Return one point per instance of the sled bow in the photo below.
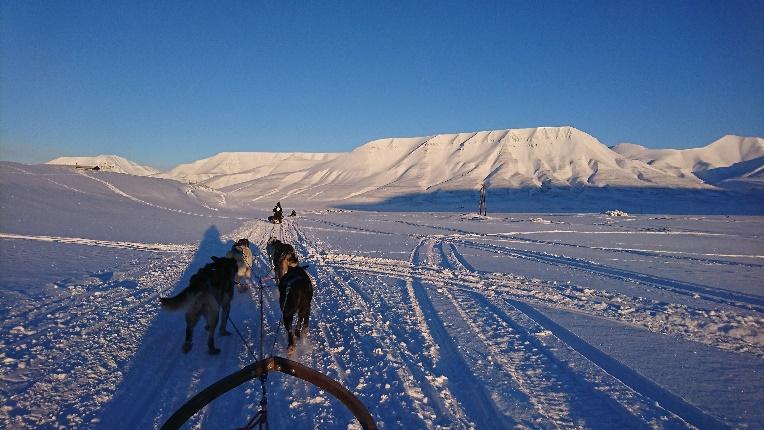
(255, 370)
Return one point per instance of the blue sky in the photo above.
(163, 83)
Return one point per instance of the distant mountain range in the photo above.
(730, 162)
(111, 163)
(533, 158)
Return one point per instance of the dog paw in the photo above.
(186, 347)
(214, 351)
(225, 333)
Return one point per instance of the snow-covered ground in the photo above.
(434, 320)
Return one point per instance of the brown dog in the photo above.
(282, 256)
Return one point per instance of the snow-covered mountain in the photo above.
(532, 158)
(518, 160)
(111, 163)
(228, 168)
(730, 161)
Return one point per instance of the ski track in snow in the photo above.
(430, 342)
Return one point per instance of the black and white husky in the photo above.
(210, 289)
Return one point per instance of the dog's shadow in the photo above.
(159, 377)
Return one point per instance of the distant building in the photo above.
(77, 166)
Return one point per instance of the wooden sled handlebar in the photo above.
(257, 369)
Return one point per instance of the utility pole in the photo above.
(481, 206)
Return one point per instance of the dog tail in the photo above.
(176, 302)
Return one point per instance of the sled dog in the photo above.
(210, 288)
(243, 256)
(282, 256)
(295, 295)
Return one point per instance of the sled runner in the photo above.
(260, 369)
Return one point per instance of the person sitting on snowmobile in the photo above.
(278, 214)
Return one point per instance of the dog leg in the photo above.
(288, 317)
(191, 319)
(291, 347)
(242, 283)
(303, 317)
(226, 311)
(212, 321)
(302, 323)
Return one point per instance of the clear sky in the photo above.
(162, 83)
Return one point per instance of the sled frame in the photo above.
(262, 367)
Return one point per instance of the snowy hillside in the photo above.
(111, 163)
(228, 168)
(534, 169)
(104, 205)
(512, 159)
(729, 161)
(433, 320)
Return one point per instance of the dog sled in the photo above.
(258, 370)
(281, 257)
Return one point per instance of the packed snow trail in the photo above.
(425, 341)
(550, 407)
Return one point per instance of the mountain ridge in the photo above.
(526, 158)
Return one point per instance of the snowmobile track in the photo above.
(711, 294)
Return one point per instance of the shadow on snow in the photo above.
(635, 200)
(160, 378)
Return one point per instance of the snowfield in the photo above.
(432, 319)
